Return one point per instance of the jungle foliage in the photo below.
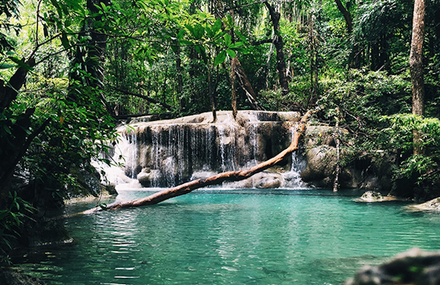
(71, 69)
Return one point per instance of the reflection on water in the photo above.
(235, 237)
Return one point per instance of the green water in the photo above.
(236, 237)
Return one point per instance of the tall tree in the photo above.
(416, 57)
(278, 42)
(347, 16)
(416, 65)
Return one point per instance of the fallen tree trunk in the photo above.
(215, 179)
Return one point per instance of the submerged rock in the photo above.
(414, 267)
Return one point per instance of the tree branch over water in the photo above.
(229, 176)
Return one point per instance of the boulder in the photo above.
(371, 171)
(321, 162)
(266, 180)
(414, 267)
(432, 205)
(373, 196)
(89, 184)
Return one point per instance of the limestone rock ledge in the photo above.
(414, 267)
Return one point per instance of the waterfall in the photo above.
(155, 150)
(292, 178)
(170, 152)
(253, 140)
(132, 138)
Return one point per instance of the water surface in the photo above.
(235, 237)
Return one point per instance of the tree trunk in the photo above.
(337, 141)
(211, 90)
(216, 179)
(14, 139)
(179, 75)
(347, 16)
(279, 47)
(355, 55)
(232, 74)
(246, 85)
(416, 66)
(97, 45)
(233, 94)
(9, 92)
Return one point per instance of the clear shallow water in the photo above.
(235, 237)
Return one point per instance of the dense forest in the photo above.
(71, 69)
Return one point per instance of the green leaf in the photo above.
(201, 50)
(236, 45)
(241, 36)
(103, 206)
(209, 32)
(65, 41)
(7, 65)
(228, 40)
(181, 34)
(21, 63)
(220, 58)
(57, 7)
(190, 29)
(217, 26)
(198, 31)
(231, 53)
(7, 129)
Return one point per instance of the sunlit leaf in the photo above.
(220, 58)
(231, 53)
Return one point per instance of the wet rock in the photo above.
(370, 171)
(432, 205)
(144, 178)
(373, 196)
(320, 135)
(89, 184)
(414, 267)
(267, 180)
(321, 162)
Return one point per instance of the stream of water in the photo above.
(235, 237)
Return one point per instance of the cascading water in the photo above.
(167, 153)
(253, 140)
(292, 178)
(132, 138)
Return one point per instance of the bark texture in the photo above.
(215, 179)
(13, 146)
(346, 14)
(416, 66)
(246, 85)
(279, 47)
(416, 57)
